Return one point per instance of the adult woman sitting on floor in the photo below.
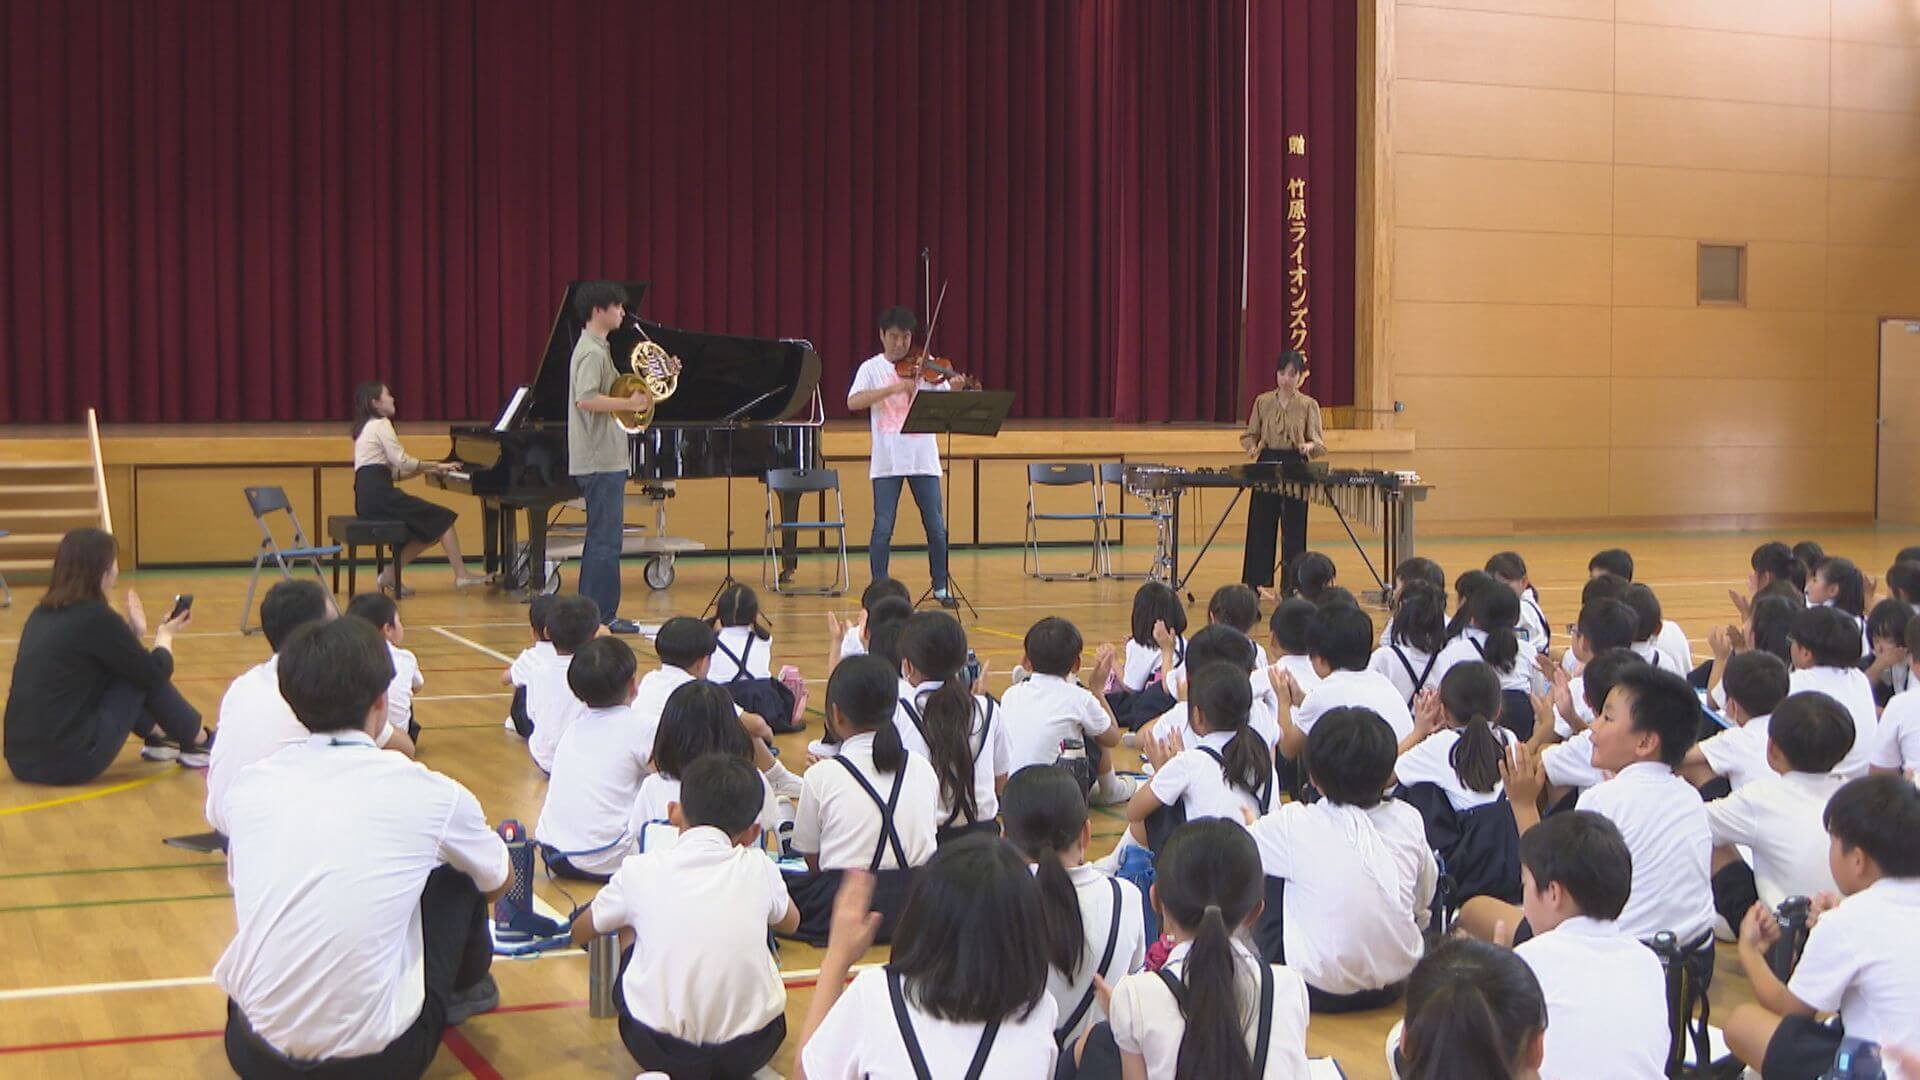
(83, 679)
(379, 461)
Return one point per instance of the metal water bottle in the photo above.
(603, 967)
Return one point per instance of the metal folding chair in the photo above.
(1114, 473)
(802, 482)
(1059, 475)
(265, 501)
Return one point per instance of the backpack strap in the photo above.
(1477, 647)
(1174, 987)
(1263, 1036)
(1086, 1000)
(975, 1069)
(1264, 796)
(889, 835)
(740, 660)
(1419, 680)
(919, 721)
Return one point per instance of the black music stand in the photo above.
(730, 423)
(969, 412)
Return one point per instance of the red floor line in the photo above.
(469, 1055)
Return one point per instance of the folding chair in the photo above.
(263, 501)
(6, 600)
(1057, 475)
(1115, 473)
(802, 482)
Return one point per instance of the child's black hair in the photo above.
(1604, 587)
(1154, 602)
(1289, 623)
(1809, 554)
(1350, 756)
(683, 641)
(1908, 554)
(376, 608)
(601, 672)
(1889, 619)
(1608, 624)
(1335, 596)
(1221, 644)
(934, 643)
(1044, 813)
(1913, 639)
(1827, 633)
(1662, 703)
(1420, 568)
(739, 605)
(537, 611)
(1222, 700)
(332, 673)
(1507, 566)
(698, 719)
(723, 791)
(1615, 561)
(1600, 674)
(865, 691)
(1774, 559)
(1879, 815)
(1772, 621)
(572, 622)
(1470, 583)
(884, 625)
(1342, 636)
(1472, 1010)
(1053, 646)
(1758, 680)
(1208, 881)
(1420, 617)
(971, 941)
(1470, 697)
(1648, 617)
(1813, 731)
(1494, 610)
(290, 605)
(1903, 581)
(1312, 572)
(1584, 852)
(1851, 584)
(1236, 606)
(880, 588)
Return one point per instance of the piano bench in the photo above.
(350, 533)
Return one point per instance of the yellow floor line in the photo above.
(81, 796)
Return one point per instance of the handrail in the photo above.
(99, 472)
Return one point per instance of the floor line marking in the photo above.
(459, 697)
(469, 1055)
(471, 644)
(83, 796)
(87, 870)
(70, 904)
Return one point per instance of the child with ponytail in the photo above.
(1473, 1009)
(1415, 637)
(958, 731)
(1483, 629)
(1228, 772)
(1094, 923)
(1449, 769)
(1215, 1010)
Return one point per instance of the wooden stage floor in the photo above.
(111, 936)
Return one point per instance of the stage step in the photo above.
(40, 500)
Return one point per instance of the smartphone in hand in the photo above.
(181, 605)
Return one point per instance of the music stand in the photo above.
(969, 412)
(730, 423)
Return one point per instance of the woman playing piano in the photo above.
(1284, 427)
(378, 461)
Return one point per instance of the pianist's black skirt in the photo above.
(374, 496)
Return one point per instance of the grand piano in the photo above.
(743, 406)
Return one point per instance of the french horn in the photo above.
(651, 370)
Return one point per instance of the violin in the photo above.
(936, 370)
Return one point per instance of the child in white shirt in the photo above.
(1051, 716)
(700, 987)
(1838, 584)
(597, 768)
(1449, 768)
(685, 647)
(1415, 569)
(380, 610)
(1416, 634)
(1214, 645)
(1569, 764)
(1340, 642)
(961, 732)
(1890, 670)
(551, 704)
(1755, 684)
(1826, 657)
(1227, 772)
(1484, 629)
(1509, 569)
(538, 654)
(1779, 818)
(742, 647)
(1898, 748)
(1859, 957)
(1156, 645)
(1473, 1009)
(1606, 993)
(849, 637)
(1094, 923)
(699, 720)
(1655, 644)
(1287, 634)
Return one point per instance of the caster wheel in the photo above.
(659, 572)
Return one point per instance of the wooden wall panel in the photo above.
(1796, 18)
(1717, 342)
(1524, 268)
(1871, 210)
(1510, 50)
(1570, 9)
(1847, 409)
(1719, 134)
(1739, 480)
(1879, 77)
(1501, 121)
(1504, 413)
(220, 528)
(1674, 412)
(1853, 345)
(1653, 271)
(1499, 339)
(1889, 22)
(1875, 144)
(1446, 192)
(1697, 203)
(1483, 485)
(1672, 62)
(1882, 280)
(1786, 277)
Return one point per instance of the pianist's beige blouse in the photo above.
(378, 445)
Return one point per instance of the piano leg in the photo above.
(510, 577)
(490, 531)
(537, 550)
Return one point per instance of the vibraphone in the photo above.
(1374, 499)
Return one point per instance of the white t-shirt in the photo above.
(659, 789)
(1533, 631)
(1177, 678)
(1263, 718)
(1740, 754)
(1361, 689)
(1301, 667)
(1780, 819)
(330, 844)
(1570, 764)
(1674, 644)
(1045, 711)
(741, 641)
(840, 823)
(850, 643)
(1467, 647)
(596, 781)
(255, 722)
(1898, 738)
(699, 910)
(988, 738)
(1096, 892)
(1606, 1001)
(1359, 886)
(550, 705)
(650, 700)
(895, 454)
(1859, 962)
(530, 659)
(1848, 686)
(1193, 779)
(1665, 826)
(1147, 1020)
(406, 679)
(1430, 761)
(859, 1038)
(1393, 665)
(1141, 662)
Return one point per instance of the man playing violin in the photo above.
(885, 385)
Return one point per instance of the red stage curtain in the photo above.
(236, 209)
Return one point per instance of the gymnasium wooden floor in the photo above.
(110, 936)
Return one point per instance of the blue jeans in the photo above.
(886, 504)
(606, 524)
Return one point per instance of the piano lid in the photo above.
(722, 373)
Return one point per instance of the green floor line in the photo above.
(111, 870)
(115, 903)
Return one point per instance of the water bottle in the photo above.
(603, 967)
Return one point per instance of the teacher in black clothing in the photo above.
(83, 679)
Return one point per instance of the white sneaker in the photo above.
(507, 723)
(1112, 788)
(1020, 675)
